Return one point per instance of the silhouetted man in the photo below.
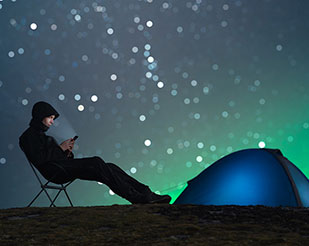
(43, 151)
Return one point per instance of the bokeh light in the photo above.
(113, 77)
(147, 142)
(80, 107)
(149, 23)
(33, 26)
(94, 98)
(262, 144)
(142, 117)
(133, 170)
(2, 160)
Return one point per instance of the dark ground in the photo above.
(155, 225)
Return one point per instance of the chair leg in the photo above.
(68, 197)
(35, 198)
(65, 191)
(44, 188)
(53, 204)
(51, 201)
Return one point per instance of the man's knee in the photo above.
(98, 159)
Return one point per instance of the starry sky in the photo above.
(162, 88)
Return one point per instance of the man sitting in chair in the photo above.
(42, 151)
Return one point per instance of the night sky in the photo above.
(162, 88)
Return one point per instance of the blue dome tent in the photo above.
(249, 177)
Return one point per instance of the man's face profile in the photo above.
(48, 121)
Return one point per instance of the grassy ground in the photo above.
(155, 225)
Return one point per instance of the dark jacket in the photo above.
(38, 147)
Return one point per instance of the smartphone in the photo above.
(75, 138)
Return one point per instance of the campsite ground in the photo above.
(155, 225)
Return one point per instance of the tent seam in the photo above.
(286, 169)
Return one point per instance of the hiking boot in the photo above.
(155, 198)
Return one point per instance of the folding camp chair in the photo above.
(54, 186)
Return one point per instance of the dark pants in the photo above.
(96, 169)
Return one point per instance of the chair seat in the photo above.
(53, 187)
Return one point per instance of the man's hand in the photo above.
(67, 145)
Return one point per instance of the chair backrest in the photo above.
(56, 173)
(35, 172)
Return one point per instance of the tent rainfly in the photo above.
(249, 177)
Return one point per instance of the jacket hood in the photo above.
(42, 109)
